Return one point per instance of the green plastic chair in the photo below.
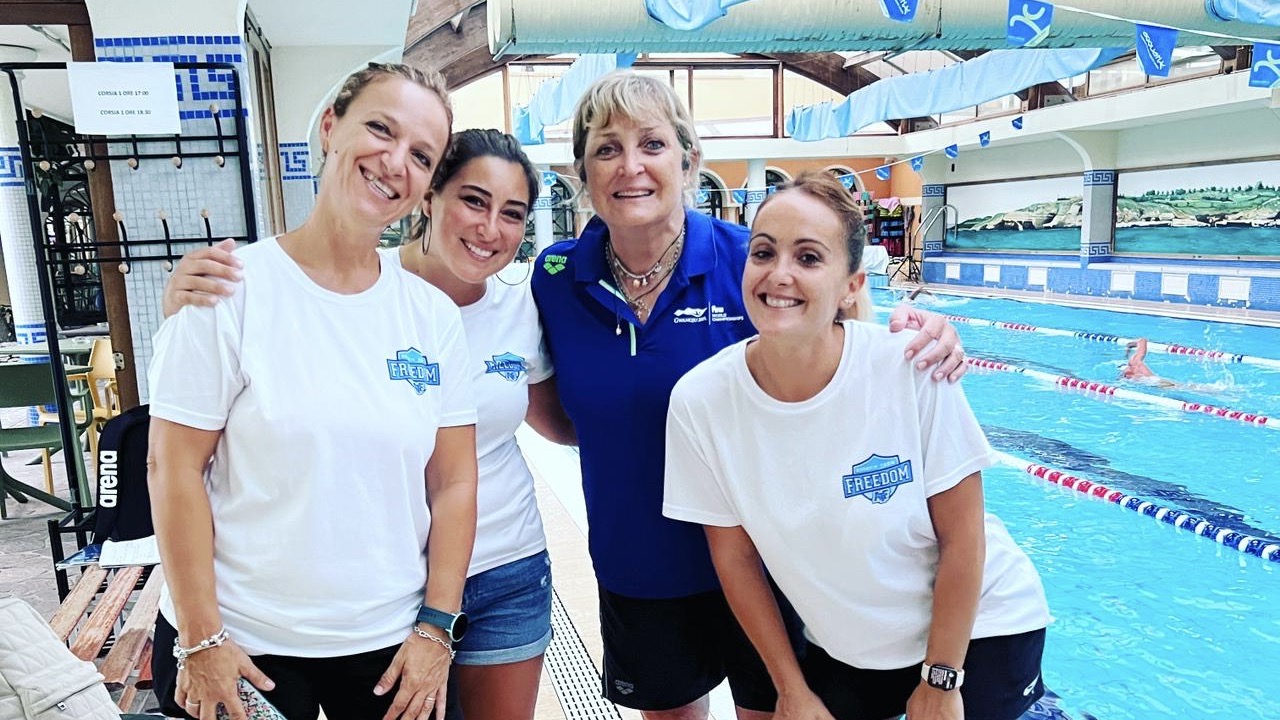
(28, 385)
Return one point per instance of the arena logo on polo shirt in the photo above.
(508, 365)
(554, 263)
(877, 478)
(414, 368)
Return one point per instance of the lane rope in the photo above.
(1105, 390)
(1224, 536)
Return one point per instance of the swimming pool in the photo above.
(1152, 621)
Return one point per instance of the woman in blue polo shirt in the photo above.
(649, 290)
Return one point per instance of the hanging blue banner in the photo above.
(1029, 22)
(952, 151)
(739, 196)
(903, 11)
(1266, 66)
(703, 196)
(984, 138)
(1155, 46)
(846, 181)
(917, 163)
(1257, 12)
(1017, 123)
(688, 14)
(882, 172)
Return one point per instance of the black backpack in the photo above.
(124, 503)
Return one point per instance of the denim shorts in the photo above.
(510, 612)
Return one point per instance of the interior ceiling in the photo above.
(42, 90)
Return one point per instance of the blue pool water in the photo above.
(1152, 621)
(1263, 241)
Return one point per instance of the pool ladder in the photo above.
(910, 268)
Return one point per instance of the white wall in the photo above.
(150, 18)
(305, 76)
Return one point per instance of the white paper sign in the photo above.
(112, 98)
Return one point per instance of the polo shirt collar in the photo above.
(698, 257)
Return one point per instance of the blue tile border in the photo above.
(934, 190)
(1099, 177)
(164, 40)
(11, 174)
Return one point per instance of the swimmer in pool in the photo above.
(1136, 368)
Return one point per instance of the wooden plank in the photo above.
(126, 698)
(122, 660)
(144, 681)
(73, 608)
(43, 12)
(94, 631)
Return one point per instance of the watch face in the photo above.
(942, 677)
(459, 627)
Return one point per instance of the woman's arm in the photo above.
(547, 416)
(958, 523)
(747, 590)
(421, 665)
(946, 353)
(176, 460)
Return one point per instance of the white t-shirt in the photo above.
(507, 355)
(328, 406)
(833, 492)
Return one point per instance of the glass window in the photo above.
(733, 102)
(1117, 76)
(999, 106)
(1190, 61)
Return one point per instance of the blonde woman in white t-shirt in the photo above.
(816, 451)
(312, 450)
(473, 224)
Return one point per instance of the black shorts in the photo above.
(1001, 681)
(664, 654)
(342, 686)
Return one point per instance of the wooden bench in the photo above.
(97, 610)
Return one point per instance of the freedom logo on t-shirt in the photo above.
(877, 478)
(412, 367)
(508, 365)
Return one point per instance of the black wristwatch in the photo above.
(941, 676)
(453, 624)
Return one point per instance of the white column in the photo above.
(543, 235)
(755, 188)
(15, 228)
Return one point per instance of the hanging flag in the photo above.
(1029, 22)
(952, 151)
(903, 11)
(688, 14)
(703, 196)
(917, 163)
(984, 138)
(739, 196)
(1155, 45)
(1017, 123)
(882, 172)
(846, 181)
(1266, 66)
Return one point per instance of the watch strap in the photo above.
(942, 677)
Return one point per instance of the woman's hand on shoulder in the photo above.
(801, 704)
(203, 277)
(937, 344)
(210, 677)
(421, 666)
(929, 703)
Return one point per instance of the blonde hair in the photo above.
(634, 96)
(357, 81)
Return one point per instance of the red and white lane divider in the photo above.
(1224, 536)
(1200, 353)
(1104, 389)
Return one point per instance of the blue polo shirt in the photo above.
(615, 378)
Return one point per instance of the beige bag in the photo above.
(39, 677)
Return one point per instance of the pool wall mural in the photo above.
(1215, 210)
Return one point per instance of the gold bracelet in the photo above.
(443, 643)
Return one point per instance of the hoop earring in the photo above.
(527, 274)
(424, 230)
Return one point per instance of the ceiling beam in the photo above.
(432, 14)
(43, 12)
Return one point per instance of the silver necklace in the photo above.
(642, 279)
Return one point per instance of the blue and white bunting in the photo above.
(847, 181)
(917, 163)
(1016, 123)
(1155, 44)
(952, 151)
(903, 11)
(1265, 72)
(739, 196)
(1029, 22)
(984, 138)
(883, 172)
(703, 195)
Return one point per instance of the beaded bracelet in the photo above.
(181, 654)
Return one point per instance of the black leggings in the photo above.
(342, 686)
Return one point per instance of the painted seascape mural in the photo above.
(1039, 215)
(1229, 209)
(1225, 210)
